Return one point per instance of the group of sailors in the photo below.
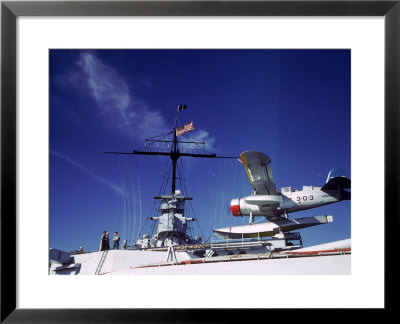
(105, 243)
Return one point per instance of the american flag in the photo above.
(184, 129)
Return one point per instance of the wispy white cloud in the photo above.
(204, 136)
(97, 178)
(107, 85)
(117, 107)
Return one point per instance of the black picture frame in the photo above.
(10, 10)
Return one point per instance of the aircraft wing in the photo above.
(271, 229)
(256, 165)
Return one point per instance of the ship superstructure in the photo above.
(172, 223)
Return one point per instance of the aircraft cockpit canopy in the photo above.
(337, 173)
(337, 178)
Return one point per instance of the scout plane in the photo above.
(267, 201)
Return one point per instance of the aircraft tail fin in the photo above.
(345, 195)
(337, 179)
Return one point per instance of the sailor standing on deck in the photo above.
(107, 246)
(116, 241)
(104, 243)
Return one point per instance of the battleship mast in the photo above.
(172, 223)
(175, 153)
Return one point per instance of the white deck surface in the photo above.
(121, 259)
(130, 262)
(335, 264)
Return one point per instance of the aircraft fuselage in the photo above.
(308, 198)
(285, 202)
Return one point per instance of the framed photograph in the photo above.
(310, 84)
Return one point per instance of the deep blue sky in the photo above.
(293, 105)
